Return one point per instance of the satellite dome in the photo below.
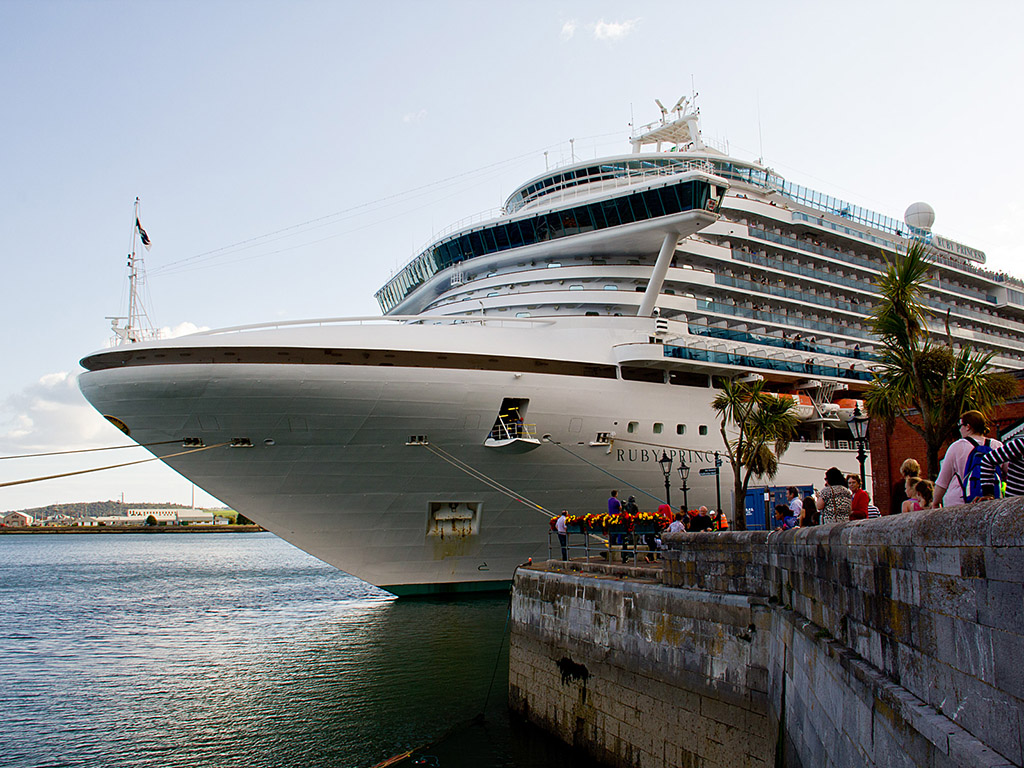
(920, 216)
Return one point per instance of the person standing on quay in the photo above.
(1011, 456)
(561, 530)
(615, 508)
(953, 483)
(834, 500)
(909, 470)
(796, 506)
(810, 515)
(860, 501)
(614, 505)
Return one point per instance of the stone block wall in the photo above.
(890, 642)
(934, 602)
(639, 675)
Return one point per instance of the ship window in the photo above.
(680, 429)
(658, 427)
(702, 429)
(650, 375)
(501, 237)
(652, 199)
(591, 314)
(611, 213)
(522, 314)
(632, 427)
(515, 236)
(575, 287)
(554, 265)
(611, 287)
(489, 242)
(687, 379)
(625, 211)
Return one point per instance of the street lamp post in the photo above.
(666, 469)
(684, 473)
(859, 428)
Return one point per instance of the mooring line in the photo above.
(459, 464)
(88, 450)
(618, 479)
(112, 466)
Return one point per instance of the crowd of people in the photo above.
(975, 468)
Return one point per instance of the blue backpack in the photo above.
(971, 481)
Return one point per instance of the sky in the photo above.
(289, 157)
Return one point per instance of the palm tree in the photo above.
(915, 372)
(763, 426)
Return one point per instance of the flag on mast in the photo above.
(142, 234)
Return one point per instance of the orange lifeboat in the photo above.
(847, 406)
(804, 407)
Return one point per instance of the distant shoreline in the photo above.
(30, 529)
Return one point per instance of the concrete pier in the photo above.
(890, 642)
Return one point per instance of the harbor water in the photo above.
(226, 650)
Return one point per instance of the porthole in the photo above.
(658, 427)
(680, 429)
(702, 429)
(632, 427)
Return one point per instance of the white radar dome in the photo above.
(920, 216)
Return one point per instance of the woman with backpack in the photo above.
(959, 479)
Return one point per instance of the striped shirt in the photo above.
(1012, 454)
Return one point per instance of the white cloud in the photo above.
(181, 329)
(52, 415)
(569, 29)
(414, 117)
(613, 30)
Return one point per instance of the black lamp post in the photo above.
(684, 473)
(666, 469)
(859, 428)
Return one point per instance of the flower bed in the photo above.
(643, 522)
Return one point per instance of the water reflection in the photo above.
(226, 650)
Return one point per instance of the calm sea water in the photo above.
(227, 650)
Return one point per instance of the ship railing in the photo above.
(830, 329)
(620, 174)
(798, 345)
(381, 320)
(805, 296)
(510, 429)
(743, 360)
(859, 261)
(627, 547)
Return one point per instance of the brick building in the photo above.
(890, 449)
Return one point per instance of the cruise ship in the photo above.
(532, 361)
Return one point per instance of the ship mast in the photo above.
(139, 326)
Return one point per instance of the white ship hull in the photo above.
(335, 470)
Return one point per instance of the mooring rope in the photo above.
(88, 450)
(459, 464)
(615, 477)
(112, 466)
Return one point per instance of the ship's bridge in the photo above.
(634, 219)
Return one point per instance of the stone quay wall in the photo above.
(889, 642)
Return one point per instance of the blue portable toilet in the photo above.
(761, 517)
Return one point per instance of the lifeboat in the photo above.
(804, 407)
(847, 407)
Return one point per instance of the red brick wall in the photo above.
(890, 449)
